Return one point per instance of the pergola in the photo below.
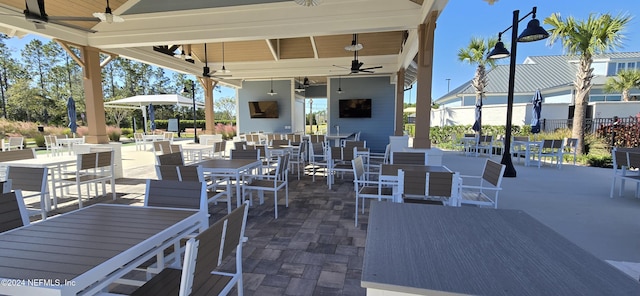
(261, 39)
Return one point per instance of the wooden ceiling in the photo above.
(262, 38)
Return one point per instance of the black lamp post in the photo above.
(193, 98)
(533, 32)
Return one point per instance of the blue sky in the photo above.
(462, 19)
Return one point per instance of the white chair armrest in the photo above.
(480, 187)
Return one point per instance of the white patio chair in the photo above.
(53, 148)
(297, 158)
(419, 158)
(168, 136)
(318, 159)
(552, 149)
(366, 187)
(204, 255)
(13, 143)
(140, 141)
(175, 158)
(31, 182)
(13, 213)
(519, 150)
(483, 192)
(218, 187)
(272, 181)
(92, 168)
(570, 148)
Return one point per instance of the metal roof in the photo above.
(537, 72)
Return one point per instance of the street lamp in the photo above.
(193, 98)
(533, 32)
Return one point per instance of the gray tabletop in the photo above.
(421, 248)
(92, 241)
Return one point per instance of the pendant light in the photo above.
(339, 85)
(223, 70)
(271, 92)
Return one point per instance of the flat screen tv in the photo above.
(263, 109)
(355, 108)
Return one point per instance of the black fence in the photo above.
(622, 132)
(591, 124)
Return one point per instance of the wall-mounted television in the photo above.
(263, 109)
(355, 108)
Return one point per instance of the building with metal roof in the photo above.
(553, 75)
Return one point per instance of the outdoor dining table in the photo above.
(231, 167)
(468, 145)
(195, 151)
(528, 146)
(336, 138)
(82, 252)
(153, 138)
(434, 250)
(55, 165)
(69, 142)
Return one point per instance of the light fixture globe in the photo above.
(533, 32)
(307, 2)
(498, 52)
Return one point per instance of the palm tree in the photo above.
(476, 54)
(624, 82)
(585, 39)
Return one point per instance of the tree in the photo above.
(225, 108)
(624, 82)
(476, 54)
(585, 38)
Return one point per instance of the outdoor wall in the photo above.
(611, 109)
(257, 91)
(522, 113)
(375, 130)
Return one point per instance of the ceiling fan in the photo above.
(356, 65)
(299, 86)
(35, 12)
(107, 16)
(206, 71)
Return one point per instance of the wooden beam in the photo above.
(65, 46)
(313, 45)
(273, 47)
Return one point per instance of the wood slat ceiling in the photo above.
(79, 8)
(373, 44)
(296, 48)
(385, 43)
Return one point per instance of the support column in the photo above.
(96, 120)
(399, 124)
(209, 115)
(424, 81)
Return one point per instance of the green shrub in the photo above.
(114, 133)
(39, 139)
(127, 132)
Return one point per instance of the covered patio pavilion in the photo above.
(263, 39)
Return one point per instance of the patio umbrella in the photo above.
(537, 108)
(152, 117)
(477, 125)
(71, 113)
